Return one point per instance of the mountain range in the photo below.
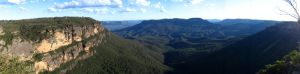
(184, 38)
(249, 55)
(81, 45)
(116, 25)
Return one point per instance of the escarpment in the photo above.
(71, 45)
(50, 42)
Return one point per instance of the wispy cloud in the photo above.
(160, 7)
(128, 10)
(52, 9)
(96, 5)
(22, 8)
(89, 3)
(143, 10)
(16, 1)
(142, 2)
(12, 2)
(96, 10)
(195, 2)
(37, 1)
(189, 2)
(7, 3)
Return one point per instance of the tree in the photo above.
(292, 4)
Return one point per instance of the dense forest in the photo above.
(189, 39)
(249, 55)
(119, 56)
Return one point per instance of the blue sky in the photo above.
(107, 10)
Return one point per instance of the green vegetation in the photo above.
(189, 39)
(14, 66)
(34, 32)
(37, 29)
(290, 64)
(113, 56)
(246, 56)
(7, 37)
(38, 56)
(117, 56)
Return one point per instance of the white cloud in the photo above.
(143, 2)
(195, 2)
(128, 10)
(96, 2)
(88, 6)
(96, 10)
(210, 5)
(75, 12)
(88, 10)
(118, 2)
(22, 8)
(160, 7)
(52, 9)
(177, 0)
(71, 4)
(16, 1)
(110, 6)
(143, 10)
(90, 3)
(37, 1)
(189, 2)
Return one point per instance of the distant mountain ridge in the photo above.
(182, 35)
(249, 55)
(247, 26)
(116, 25)
(173, 30)
(187, 38)
(242, 21)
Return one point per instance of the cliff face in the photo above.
(71, 45)
(50, 45)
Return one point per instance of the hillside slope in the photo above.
(176, 33)
(249, 55)
(184, 38)
(245, 26)
(71, 45)
(289, 64)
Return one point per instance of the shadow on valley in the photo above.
(247, 56)
(232, 46)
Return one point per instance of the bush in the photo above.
(8, 38)
(284, 66)
(14, 66)
(38, 56)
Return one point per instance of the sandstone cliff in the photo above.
(48, 43)
(71, 45)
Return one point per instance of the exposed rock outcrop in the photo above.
(59, 44)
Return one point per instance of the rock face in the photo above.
(59, 41)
